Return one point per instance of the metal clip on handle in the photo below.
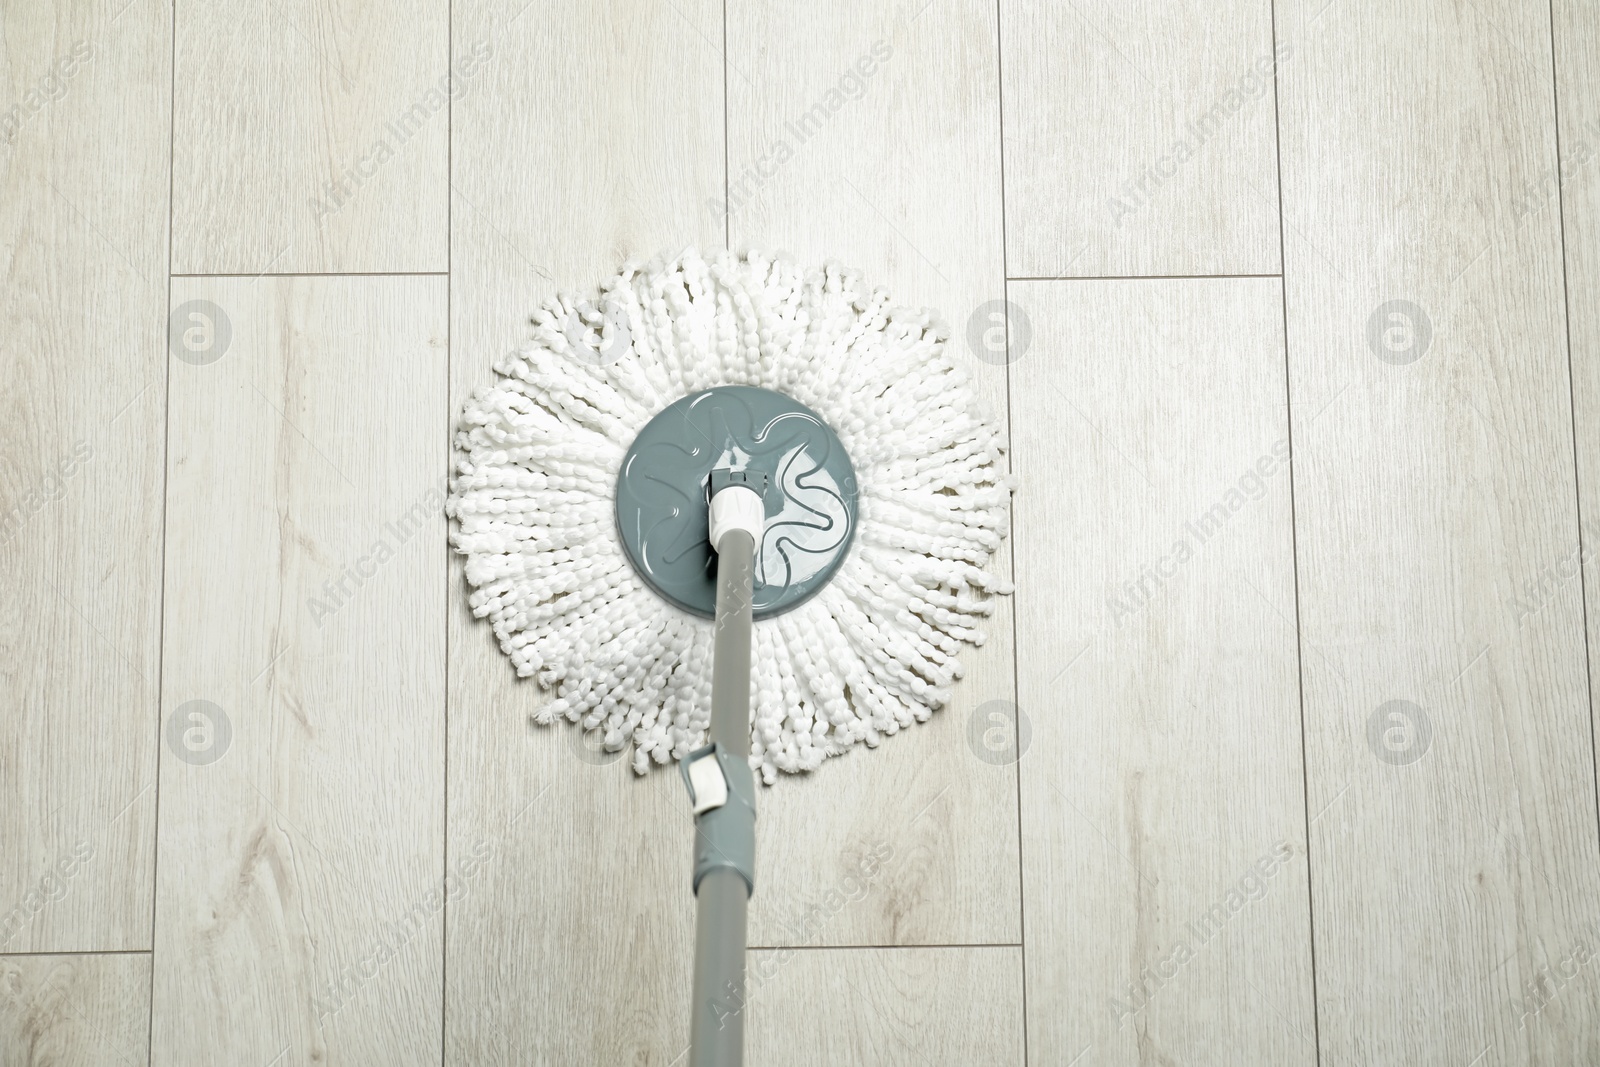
(721, 786)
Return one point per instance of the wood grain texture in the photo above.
(1453, 840)
(313, 135)
(75, 1011)
(921, 1007)
(1162, 815)
(1139, 138)
(301, 870)
(873, 138)
(594, 137)
(82, 333)
(1577, 42)
(387, 863)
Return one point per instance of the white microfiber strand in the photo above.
(534, 502)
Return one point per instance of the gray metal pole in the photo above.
(716, 1031)
(730, 666)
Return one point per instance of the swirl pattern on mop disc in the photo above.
(664, 494)
(538, 454)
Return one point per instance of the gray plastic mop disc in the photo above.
(663, 494)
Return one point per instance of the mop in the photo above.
(736, 515)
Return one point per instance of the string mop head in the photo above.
(534, 499)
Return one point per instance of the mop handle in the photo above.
(722, 787)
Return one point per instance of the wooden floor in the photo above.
(1282, 753)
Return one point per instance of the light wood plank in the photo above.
(921, 1007)
(1577, 42)
(83, 234)
(313, 135)
(299, 908)
(1434, 489)
(592, 139)
(75, 1011)
(1139, 138)
(1162, 813)
(828, 161)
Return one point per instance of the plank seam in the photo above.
(1572, 413)
(1294, 548)
(1016, 677)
